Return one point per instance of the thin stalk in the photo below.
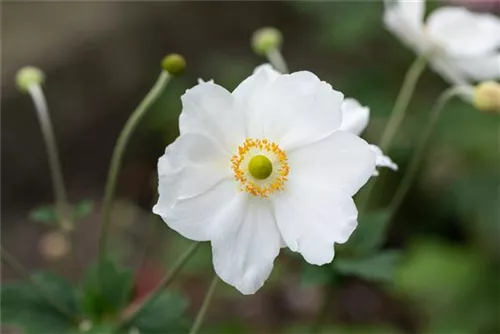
(416, 159)
(116, 160)
(165, 282)
(277, 60)
(61, 199)
(204, 306)
(62, 205)
(397, 115)
(22, 272)
(405, 94)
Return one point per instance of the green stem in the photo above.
(397, 115)
(277, 60)
(405, 94)
(411, 172)
(116, 160)
(62, 205)
(165, 282)
(22, 272)
(325, 307)
(204, 306)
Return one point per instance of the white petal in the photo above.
(447, 68)
(245, 247)
(461, 32)
(209, 109)
(342, 161)
(382, 160)
(355, 117)
(197, 218)
(191, 166)
(405, 20)
(481, 68)
(312, 219)
(295, 110)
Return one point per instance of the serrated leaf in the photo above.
(163, 316)
(44, 214)
(104, 299)
(378, 267)
(315, 275)
(370, 233)
(82, 209)
(25, 308)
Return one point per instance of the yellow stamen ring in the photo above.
(261, 167)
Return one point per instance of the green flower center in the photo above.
(260, 167)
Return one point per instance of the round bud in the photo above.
(260, 167)
(174, 64)
(266, 39)
(487, 96)
(27, 77)
(54, 246)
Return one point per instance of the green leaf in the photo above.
(104, 299)
(44, 214)
(82, 209)
(315, 275)
(378, 267)
(24, 307)
(370, 233)
(163, 316)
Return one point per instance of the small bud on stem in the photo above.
(27, 77)
(173, 63)
(265, 40)
(487, 96)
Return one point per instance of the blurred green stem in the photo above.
(22, 272)
(411, 172)
(165, 282)
(62, 205)
(204, 306)
(276, 59)
(397, 115)
(325, 307)
(116, 160)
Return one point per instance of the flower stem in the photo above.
(405, 94)
(204, 306)
(165, 282)
(116, 160)
(411, 172)
(397, 115)
(62, 205)
(22, 272)
(276, 59)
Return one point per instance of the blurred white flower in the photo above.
(462, 46)
(355, 118)
(261, 168)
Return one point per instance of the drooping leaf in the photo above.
(82, 209)
(44, 214)
(24, 307)
(370, 233)
(106, 290)
(163, 316)
(378, 267)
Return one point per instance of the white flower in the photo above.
(355, 119)
(462, 46)
(261, 168)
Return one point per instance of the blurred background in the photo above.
(101, 58)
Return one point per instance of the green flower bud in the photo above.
(27, 77)
(174, 64)
(487, 96)
(266, 39)
(260, 167)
